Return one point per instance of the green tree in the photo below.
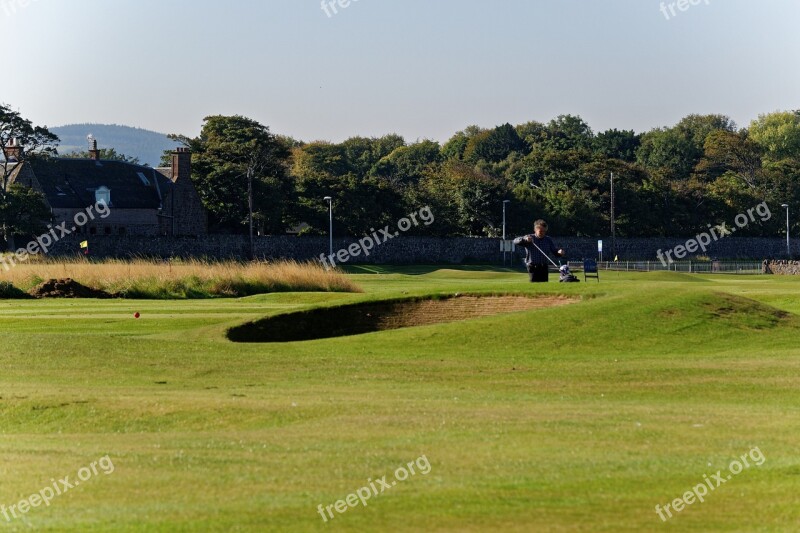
(699, 127)
(477, 196)
(362, 202)
(231, 155)
(362, 153)
(27, 208)
(616, 144)
(778, 134)
(108, 154)
(455, 147)
(670, 151)
(732, 153)
(568, 132)
(406, 164)
(676, 151)
(493, 146)
(319, 159)
(532, 133)
(20, 141)
(360, 205)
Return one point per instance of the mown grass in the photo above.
(169, 280)
(577, 418)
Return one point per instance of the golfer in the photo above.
(536, 260)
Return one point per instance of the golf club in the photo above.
(544, 254)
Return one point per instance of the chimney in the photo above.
(181, 164)
(94, 153)
(13, 151)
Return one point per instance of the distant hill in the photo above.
(134, 142)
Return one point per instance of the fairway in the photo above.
(581, 417)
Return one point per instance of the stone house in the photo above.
(142, 200)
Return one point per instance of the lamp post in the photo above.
(504, 230)
(788, 242)
(330, 225)
(250, 211)
(613, 220)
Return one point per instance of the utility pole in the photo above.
(613, 224)
(504, 230)
(250, 211)
(330, 224)
(788, 241)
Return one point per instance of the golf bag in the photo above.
(565, 276)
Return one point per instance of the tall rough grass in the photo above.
(142, 278)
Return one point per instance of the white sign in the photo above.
(600, 246)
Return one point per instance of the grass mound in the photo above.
(721, 312)
(672, 276)
(742, 313)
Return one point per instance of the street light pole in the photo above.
(613, 221)
(330, 225)
(504, 230)
(788, 242)
(250, 211)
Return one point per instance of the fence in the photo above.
(692, 267)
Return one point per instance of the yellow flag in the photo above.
(85, 244)
(616, 258)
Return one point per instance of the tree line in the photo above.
(670, 181)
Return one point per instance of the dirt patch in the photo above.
(65, 288)
(385, 315)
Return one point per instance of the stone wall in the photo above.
(143, 222)
(782, 268)
(400, 250)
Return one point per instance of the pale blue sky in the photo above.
(421, 68)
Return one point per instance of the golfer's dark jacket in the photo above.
(534, 256)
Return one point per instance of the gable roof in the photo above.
(71, 183)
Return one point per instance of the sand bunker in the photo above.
(385, 315)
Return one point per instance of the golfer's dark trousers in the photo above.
(538, 273)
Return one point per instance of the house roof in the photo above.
(71, 183)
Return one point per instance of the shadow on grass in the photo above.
(10, 292)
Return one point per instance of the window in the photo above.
(121, 231)
(143, 178)
(103, 195)
(93, 231)
(107, 230)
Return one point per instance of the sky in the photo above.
(421, 68)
